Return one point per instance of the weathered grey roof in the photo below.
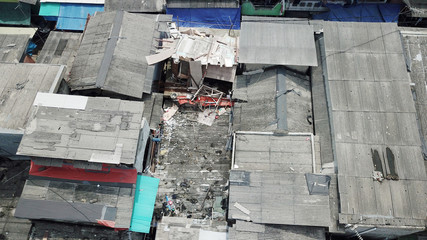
(134, 5)
(181, 228)
(277, 43)
(415, 44)
(111, 55)
(93, 129)
(251, 231)
(13, 46)
(19, 84)
(267, 184)
(275, 99)
(373, 122)
(60, 48)
(76, 202)
(202, 4)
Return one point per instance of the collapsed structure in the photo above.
(258, 128)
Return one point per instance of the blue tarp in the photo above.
(363, 12)
(143, 207)
(73, 16)
(222, 18)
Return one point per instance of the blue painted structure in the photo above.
(364, 12)
(143, 207)
(222, 18)
(73, 16)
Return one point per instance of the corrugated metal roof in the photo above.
(73, 16)
(135, 5)
(267, 184)
(13, 46)
(19, 84)
(277, 43)
(202, 4)
(275, 99)
(116, 64)
(374, 126)
(60, 48)
(39, 200)
(83, 128)
(249, 230)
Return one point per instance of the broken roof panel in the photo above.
(99, 130)
(134, 5)
(116, 64)
(277, 43)
(13, 47)
(374, 126)
(267, 184)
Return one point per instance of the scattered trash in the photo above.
(169, 204)
(241, 208)
(221, 111)
(378, 176)
(207, 117)
(163, 152)
(170, 112)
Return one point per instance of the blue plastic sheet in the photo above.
(222, 18)
(364, 12)
(73, 16)
(30, 48)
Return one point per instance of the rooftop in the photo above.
(274, 98)
(60, 48)
(19, 85)
(268, 183)
(109, 58)
(261, 43)
(374, 126)
(135, 5)
(93, 129)
(13, 46)
(76, 202)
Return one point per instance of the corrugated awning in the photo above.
(143, 208)
(73, 16)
